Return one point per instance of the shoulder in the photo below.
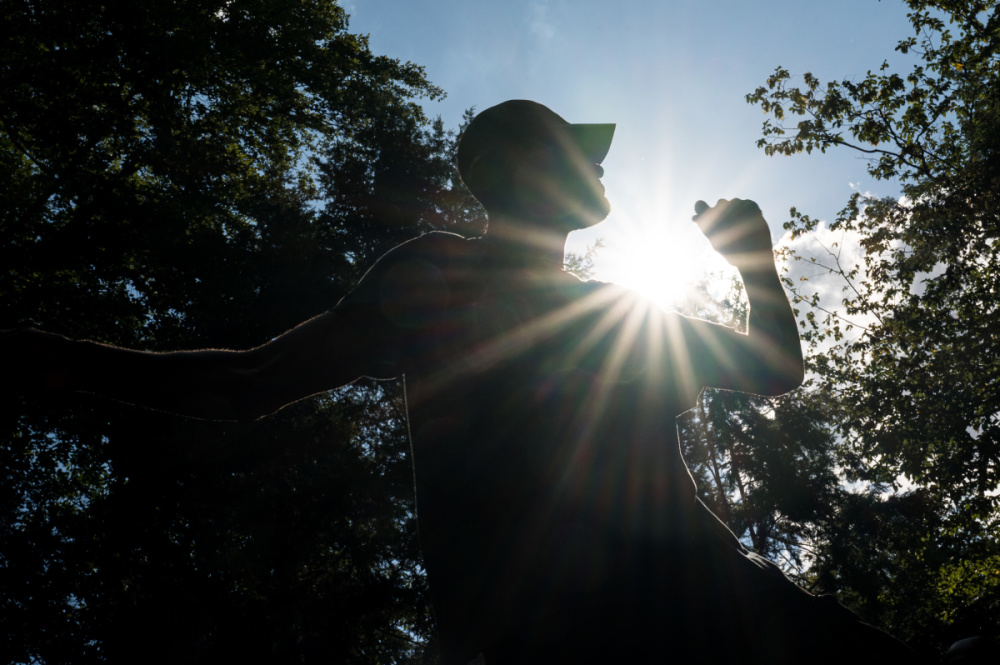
(435, 252)
(418, 273)
(432, 246)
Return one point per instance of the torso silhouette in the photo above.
(542, 413)
(557, 518)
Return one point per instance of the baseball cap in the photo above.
(518, 121)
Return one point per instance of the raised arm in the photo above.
(767, 360)
(330, 350)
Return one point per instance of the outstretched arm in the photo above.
(328, 351)
(357, 338)
(767, 360)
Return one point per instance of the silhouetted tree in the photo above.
(764, 465)
(190, 175)
(907, 360)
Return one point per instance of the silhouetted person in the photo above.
(558, 520)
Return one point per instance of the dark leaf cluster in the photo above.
(198, 174)
(908, 354)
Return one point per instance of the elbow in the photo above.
(778, 375)
(235, 399)
(777, 368)
(779, 383)
(264, 383)
(783, 388)
(247, 399)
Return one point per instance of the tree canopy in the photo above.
(211, 173)
(905, 359)
(192, 175)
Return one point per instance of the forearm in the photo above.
(328, 351)
(771, 327)
(216, 385)
(768, 359)
(206, 384)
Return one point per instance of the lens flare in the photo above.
(660, 262)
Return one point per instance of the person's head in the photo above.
(521, 160)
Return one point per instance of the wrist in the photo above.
(755, 262)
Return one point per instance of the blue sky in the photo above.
(673, 76)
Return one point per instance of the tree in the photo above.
(911, 351)
(197, 174)
(764, 465)
(582, 265)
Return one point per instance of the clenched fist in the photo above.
(736, 229)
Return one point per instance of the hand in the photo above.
(737, 231)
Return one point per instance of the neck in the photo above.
(528, 243)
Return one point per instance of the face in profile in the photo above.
(523, 161)
(557, 184)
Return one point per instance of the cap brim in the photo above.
(593, 139)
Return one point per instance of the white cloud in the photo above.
(825, 258)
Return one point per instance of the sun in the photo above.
(649, 242)
(662, 262)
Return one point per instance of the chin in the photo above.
(593, 215)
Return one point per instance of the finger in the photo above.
(700, 207)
